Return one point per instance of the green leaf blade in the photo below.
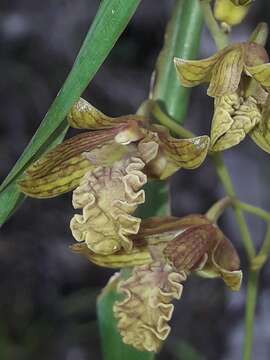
(110, 21)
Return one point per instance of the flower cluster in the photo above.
(107, 168)
(238, 78)
(165, 251)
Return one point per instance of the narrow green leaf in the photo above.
(110, 21)
(112, 345)
(11, 198)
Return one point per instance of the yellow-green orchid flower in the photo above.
(223, 70)
(239, 90)
(166, 250)
(107, 168)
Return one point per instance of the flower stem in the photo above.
(265, 215)
(220, 38)
(169, 123)
(252, 289)
(260, 259)
(217, 209)
(226, 181)
(265, 249)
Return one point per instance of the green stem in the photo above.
(252, 289)
(169, 123)
(218, 208)
(265, 249)
(226, 181)
(182, 39)
(221, 40)
(260, 259)
(252, 210)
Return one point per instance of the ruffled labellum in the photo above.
(233, 119)
(108, 198)
(144, 312)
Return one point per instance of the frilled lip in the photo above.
(233, 119)
(144, 312)
(188, 244)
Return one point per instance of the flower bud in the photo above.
(230, 12)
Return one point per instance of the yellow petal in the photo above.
(121, 259)
(195, 72)
(108, 197)
(144, 313)
(223, 261)
(233, 279)
(85, 116)
(226, 72)
(222, 120)
(226, 262)
(177, 153)
(261, 73)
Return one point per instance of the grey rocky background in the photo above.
(47, 294)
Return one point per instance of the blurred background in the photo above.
(48, 294)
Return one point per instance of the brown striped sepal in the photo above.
(83, 115)
(205, 250)
(175, 154)
(223, 70)
(136, 257)
(61, 169)
(157, 230)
